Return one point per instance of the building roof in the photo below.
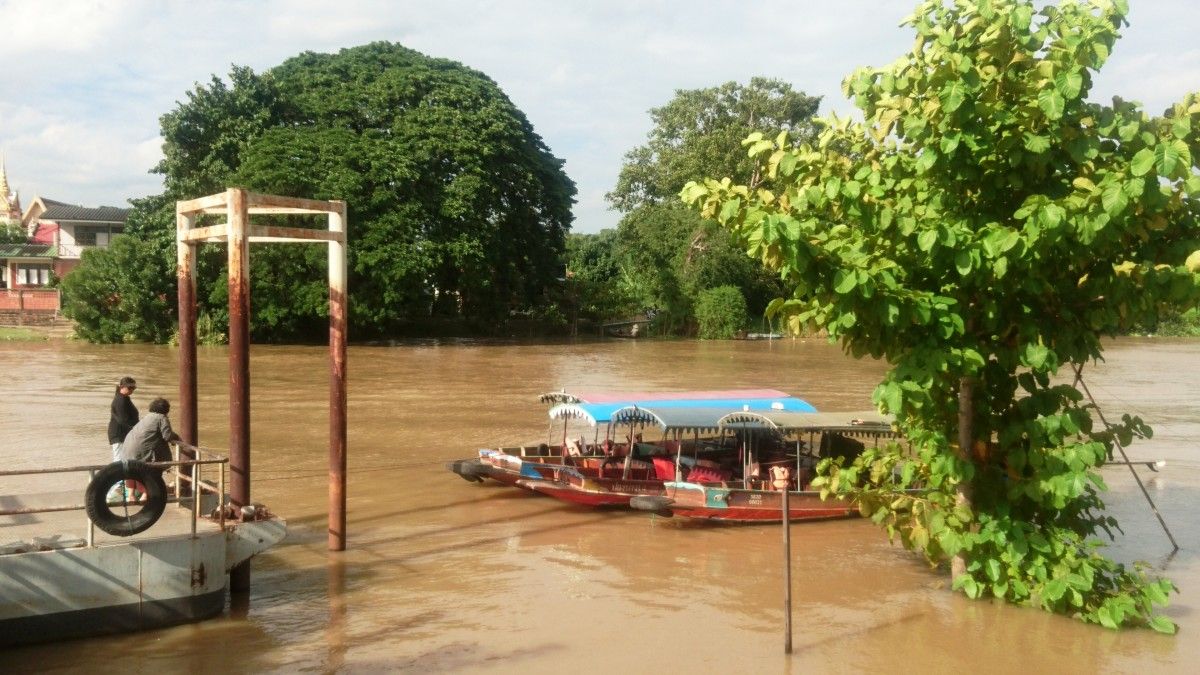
(58, 211)
(26, 251)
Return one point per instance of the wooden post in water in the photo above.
(239, 365)
(186, 280)
(337, 381)
(787, 571)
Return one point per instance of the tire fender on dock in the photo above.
(121, 522)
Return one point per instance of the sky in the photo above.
(83, 82)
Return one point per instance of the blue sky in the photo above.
(84, 81)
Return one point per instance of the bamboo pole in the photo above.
(1117, 442)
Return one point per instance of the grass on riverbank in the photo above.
(8, 334)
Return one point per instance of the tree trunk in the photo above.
(966, 435)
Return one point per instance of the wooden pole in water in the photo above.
(787, 572)
(239, 365)
(337, 381)
(185, 272)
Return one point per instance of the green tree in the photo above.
(670, 254)
(594, 277)
(699, 133)
(456, 206)
(720, 312)
(120, 293)
(984, 226)
(11, 232)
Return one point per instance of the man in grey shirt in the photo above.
(148, 440)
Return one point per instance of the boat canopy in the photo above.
(600, 413)
(868, 421)
(636, 397)
(556, 397)
(672, 419)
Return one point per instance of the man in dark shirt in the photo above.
(124, 415)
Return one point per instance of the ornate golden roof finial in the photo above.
(4, 184)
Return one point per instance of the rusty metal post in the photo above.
(239, 364)
(185, 272)
(787, 568)
(337, 381)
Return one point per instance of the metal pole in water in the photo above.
(186, 276)
(239, 365)
(337, 381)
(787, 572)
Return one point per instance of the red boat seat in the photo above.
(664, 469)
(706, 474)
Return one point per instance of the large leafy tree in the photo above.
(984, 226)
(672, 253)
(456, 206)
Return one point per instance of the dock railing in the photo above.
(189, 471)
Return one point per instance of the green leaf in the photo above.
(1035, 355)
(926, 160)
(953, 96)
(1142, 162)
(927, 239)
(1036, 144)
(844, 281)
(1052, 103)
(832, 187)
(1162, 624)
(729, 209)
(1054, 589)
(1022, 18)
(1167, 157)
(1069, 84)
(950, 142)
(1114, 199)
(962, 262)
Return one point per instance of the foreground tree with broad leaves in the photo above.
(982, 228)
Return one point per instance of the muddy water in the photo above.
(446, 576)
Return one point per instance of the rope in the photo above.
(1116, 441)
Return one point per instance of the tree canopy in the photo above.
(671, 254)
(983, 226)
(456, 206)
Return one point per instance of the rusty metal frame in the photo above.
(237, 232)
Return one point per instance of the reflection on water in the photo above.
(446, 576)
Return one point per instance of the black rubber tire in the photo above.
(470, 470)
(652, 503)
(120, 523)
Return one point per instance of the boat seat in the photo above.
(705, 474)
(664, 469)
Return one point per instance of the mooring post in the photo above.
(787, 570)
(186, 280)
(337, 381)
(239, 366)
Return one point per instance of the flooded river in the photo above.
(446, 576)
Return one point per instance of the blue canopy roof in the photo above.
(600, 413)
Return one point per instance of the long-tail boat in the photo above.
(739, 477)
(509, 465)
(758, 496)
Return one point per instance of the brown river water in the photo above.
(446, 576)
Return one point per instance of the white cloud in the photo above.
(86, 80)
